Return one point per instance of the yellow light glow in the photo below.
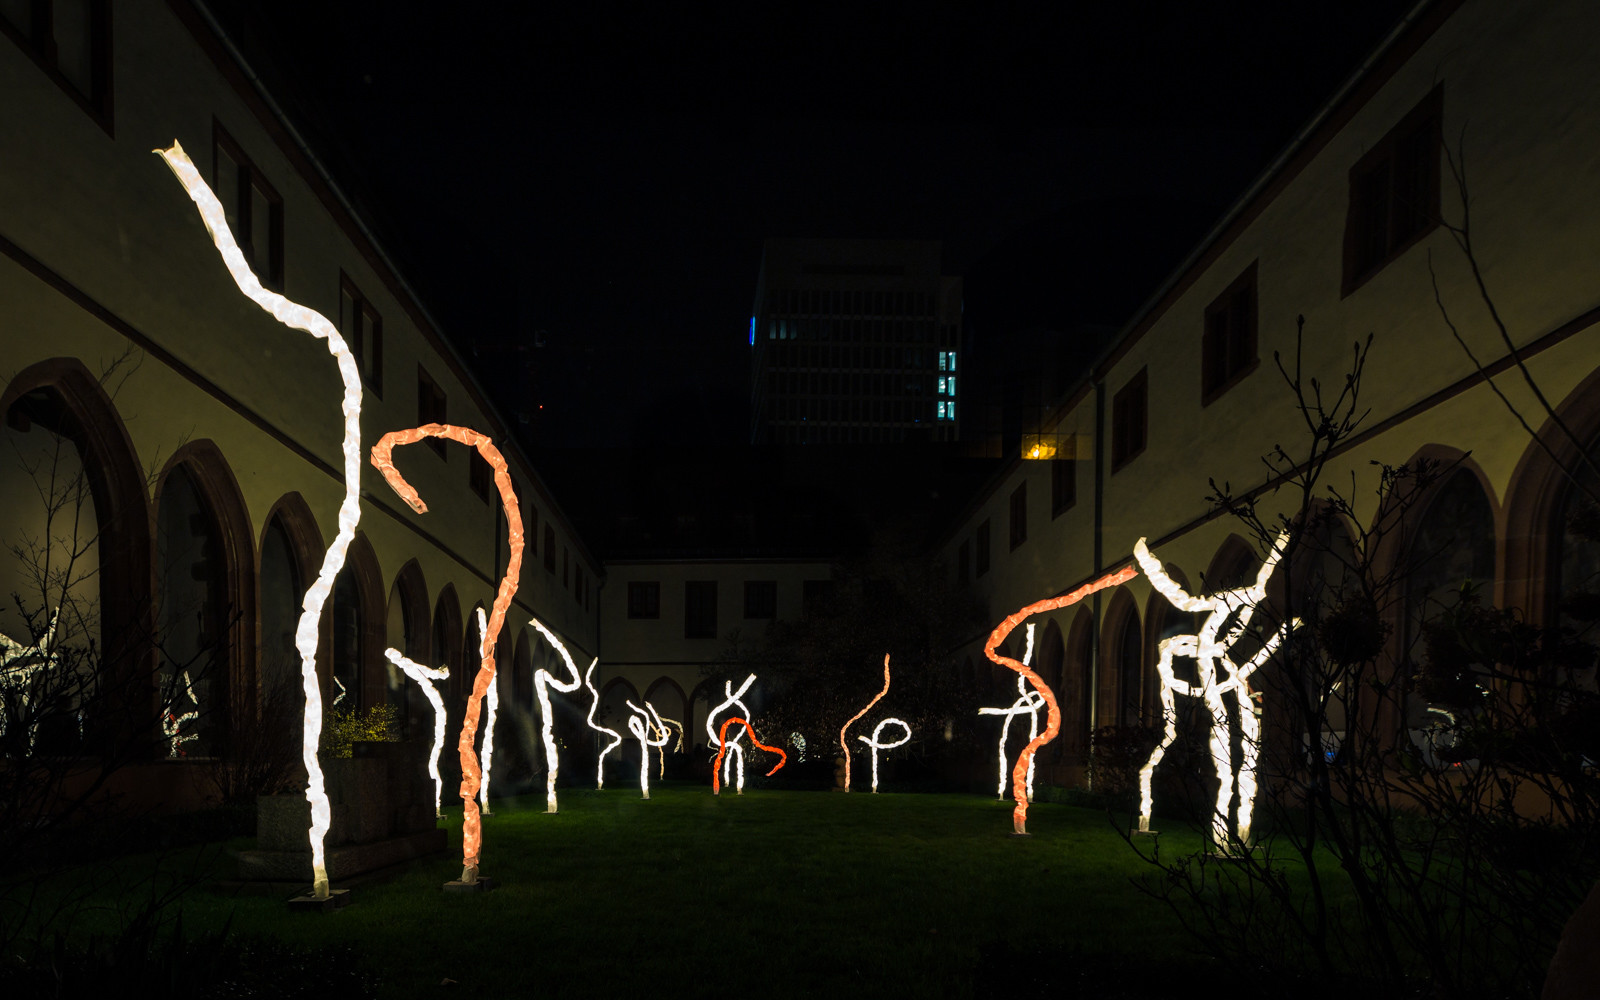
(425, 676)
(1216, 674)
(297, 317)
(736, 759)
(616, 737)
(542, 681)
(641, 724)
(843, 743)
(877, 744)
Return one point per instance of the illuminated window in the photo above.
(71, 41)
(363, 331)
(1394, 193)
(1128, 420)
(431, 408)
(761, 599)
(951, 386)
(983, 548)
(941, 409)
(252, 206)
(950, 410)
(944, 359)
(1019, 515)
(700, 609)
(644, 599)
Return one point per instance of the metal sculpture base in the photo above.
(337, 899)
(481, 885)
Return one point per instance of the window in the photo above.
(71, 41)
(1228, 350)
(947, 363)
(550, 549)
(983, 548)
(644, 599)
(579, 587)
(1394, 193)
(963, 561)
(761, 598)
(1128, 418)
(480, 475)
(700, 609)
(1019, 515)
(1063, 485)
(363, 331)
(252, 206)
(431, 407)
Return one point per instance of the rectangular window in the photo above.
(362, 328)
(1063, 485)
(644, 599)
(550, 550)
(1019, 515)
(1128, 420)
(1228, 349)
(579, 587)
(252, 206)
(1394, 193)
(480, 475)
(761, 599)
(982, 545)
(700, 609)
(431, 408)
(71, 41)
(963, 561)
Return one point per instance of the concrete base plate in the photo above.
(337, 899)
(482, 885)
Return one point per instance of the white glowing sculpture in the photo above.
(877, 744)
(492, 703)
(425, 676)
(18, 664)
(172, 723)
(670, 723)
(843, 743)
(543, 680)
(340, 696)
(798, 741)
(1028, 703)
(616, 737)
(642, 724)
(1216, 675)
(736, 758)
(297, 317)
(734, 720)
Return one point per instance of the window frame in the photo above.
(1017, 516)
(699, 627)
(644, 600)
(1136, 390)
(1241, 296)
(251, 178)
(39, 42)
(981, 549)
(1063, 485)
(1426, 116)
(365, 333)
(764, 608)
(430, 392)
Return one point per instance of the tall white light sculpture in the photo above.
(670, 724)
(297, 317)
(1216, 675)
(1019, 771)
(172, 723)
(725, 761)
(484, 681)
(642, 724)
(19, 663)
(1028, 703)
(492, 704)
(876, 743)
(843, 743)
(543, 680)
(425, 676)
(616, 737)
(734, 720)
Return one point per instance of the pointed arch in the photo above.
(1077, 695)
(407, 629)
(288, 557)
(668, 698)
(1121, 694)
(1049, 659)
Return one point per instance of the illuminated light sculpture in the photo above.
(843, 743)
(1019, 772)
(731, 701)
(798, 741)
(172, 723)
(616, 737)
(297, 317)
(18, 664)
(492, 703)
(1216, 674)
(425, 676)
(876, 744)
(340, 696)
(641, 725)
(1028, 703)
(382, 460)
(724, 743)
(543, 680)
(677, 749)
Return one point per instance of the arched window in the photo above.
(407, 631)
(1130, 664)
(282, 590)
(1077, 710)
(1577, 533)
(347, 651)
(193, 619)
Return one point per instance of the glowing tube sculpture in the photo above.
(843, 743)
(340, 696)
(642, 725)
(18, 663)
(382, 452)
(877, 744)
(677, 749)
(1019, 772)
(1216, 674)
(1028, 703)
(425, 676)
(543, 680)
(732, 701)
(616, 737)
(724, 743)
(492, 703)
(305, 639)
(172, 723)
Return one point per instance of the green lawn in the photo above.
(774, 893)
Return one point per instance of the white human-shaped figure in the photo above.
(616, 737)
(1028, 703)
(645, 725)
(732, 700)
(1216, 674)
(425, 676)
(18, 664)
(875, 741)
(543, 680)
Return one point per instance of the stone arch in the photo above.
(355, 616)
(1049, 662)
(1077, 701)
(1122, 699)
(407, 629)
(613, 711)
(289, 554)
(670, 701)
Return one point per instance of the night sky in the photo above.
(600, 176)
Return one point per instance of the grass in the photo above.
(773, 893)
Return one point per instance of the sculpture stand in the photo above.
(337, 899)
(481, 885)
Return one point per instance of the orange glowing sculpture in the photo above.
(1019, 771)
(843, 743)
(716, 772)
(472, 824)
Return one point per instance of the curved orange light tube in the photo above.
(875, 699)
(1019, 771)
(472, 824)
(716, 772)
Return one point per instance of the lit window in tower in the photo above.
(941, 409)
(951, 387)
(941, 390)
